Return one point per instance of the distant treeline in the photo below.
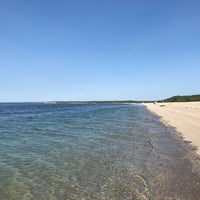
(183, 98)
(171, 99)
(96, 102)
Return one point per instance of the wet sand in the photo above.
(184, 117)
(178, 176)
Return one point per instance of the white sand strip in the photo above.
(185, 117)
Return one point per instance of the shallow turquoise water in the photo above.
(87, 152)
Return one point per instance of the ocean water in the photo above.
(99, 151)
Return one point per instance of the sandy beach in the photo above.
(184, 117)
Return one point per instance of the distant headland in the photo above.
(186, 98)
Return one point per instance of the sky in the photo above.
(98, 49)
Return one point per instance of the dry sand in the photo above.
(185, 117)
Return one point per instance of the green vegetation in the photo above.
(171, 99)
(183, 98)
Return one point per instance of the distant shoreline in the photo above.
(95, 102)
(186, 98)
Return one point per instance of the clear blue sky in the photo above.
(98, 49)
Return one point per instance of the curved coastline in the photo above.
(177, 158)
(184, 117)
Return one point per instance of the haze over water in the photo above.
(92, 152)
